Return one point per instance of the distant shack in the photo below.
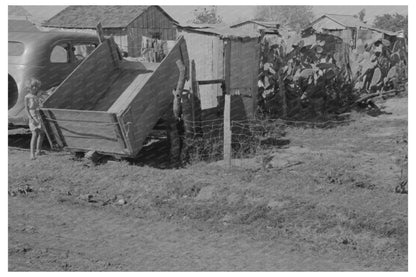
(347, 27)
(222, 53)
(269, 27)
(127, 24)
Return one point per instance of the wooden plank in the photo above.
(162, 72)
(227, 131)
(125, 121)
(86, 82)
(92, 137)
(52, 132)
(47, 130)
(56, 131)
(118, 133)
(78, 116)
(87, 130)
(114, 52)
(227, 64)
(100, 32)
(179, 88)
(254, 77)
(150, 98)
(208, 82)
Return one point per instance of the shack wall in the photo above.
(208, 53)
(151, 23)
(211, 63)
(346, 35)
(244, 64)
(328, 24)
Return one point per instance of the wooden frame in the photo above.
(120, 125)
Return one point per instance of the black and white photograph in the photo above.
(206, 137)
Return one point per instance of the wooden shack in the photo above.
(347, 27)
(224, 56)
(127, 24)
(269, 27)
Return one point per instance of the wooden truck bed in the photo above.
(110, 105)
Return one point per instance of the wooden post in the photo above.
(227, 131)
(100, 32)
(177, 93)
(226, 85)
(194, 90)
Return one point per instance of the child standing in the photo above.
(32, 105)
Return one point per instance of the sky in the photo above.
(235, 14)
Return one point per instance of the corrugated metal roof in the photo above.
(21, 26)
(346, 20)
(220, 30)
(89, 16)
(266, 24)
(383, 31)
(350, 21)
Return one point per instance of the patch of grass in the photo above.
(340, 198)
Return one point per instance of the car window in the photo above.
(82, 50)
(16, 48)
(59, 53)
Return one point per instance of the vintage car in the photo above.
(47, 56)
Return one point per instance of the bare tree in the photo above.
(206, 16)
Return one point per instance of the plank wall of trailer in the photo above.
(110, 106)
(145, 101)
(152, 23)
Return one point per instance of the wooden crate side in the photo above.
(161, 72)
(98, 131)
(87, 82)
(151, 97)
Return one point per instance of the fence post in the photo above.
(227, 131)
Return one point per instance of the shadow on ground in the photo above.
(154, 154)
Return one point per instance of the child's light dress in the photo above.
(34, 105)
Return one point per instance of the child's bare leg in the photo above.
(33, 144)
(39, 143)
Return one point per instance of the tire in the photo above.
(13, 92)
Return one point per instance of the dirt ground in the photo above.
(325, 202)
